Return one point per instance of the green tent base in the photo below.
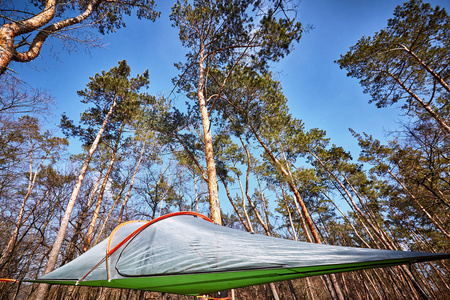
(195, 284)
(185, 253)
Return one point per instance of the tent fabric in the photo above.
(185, 253)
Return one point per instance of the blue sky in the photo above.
(319, 92)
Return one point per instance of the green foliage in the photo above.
(114, 85)
(386, 58)
(410, 177)
(254, 98)
(408, 61)
(228, 32)
(226, 28)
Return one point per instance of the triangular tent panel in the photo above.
(185, 253)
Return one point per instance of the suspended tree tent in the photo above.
(185, 253)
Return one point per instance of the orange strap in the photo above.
(131, 235)
(9, 280)
(111, 251)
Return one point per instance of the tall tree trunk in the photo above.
(294, 235)
(127, 197)
(347, 196)
(422, 208)
(90, 232)
(70, 253)
(291, 223)
(297, 206)
(381, 236)
(273, 289)
(355, 231)
(244, 207)
(53, 256)
(291, 185)
(329, 279)
(19, 222)
(250, 228)
(252, 205)
(105, 221)
(236, 210)
(209, 152)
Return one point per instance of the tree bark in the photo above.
(127, 197)
(209, 152)
(10, 31)
(90, 232)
